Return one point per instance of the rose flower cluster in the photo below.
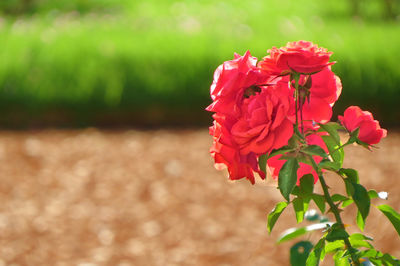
(255, 107)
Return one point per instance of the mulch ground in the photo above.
(95, 197)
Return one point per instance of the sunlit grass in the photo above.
(139, 54)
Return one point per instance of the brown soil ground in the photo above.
(153, 198)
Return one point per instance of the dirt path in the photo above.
(152, 198)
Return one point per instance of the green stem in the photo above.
(301, 116)
(341, 146)
(334, 209)
(296, 97)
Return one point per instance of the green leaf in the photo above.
(291, 233)
(279, 151)
(362, 200)
(335, 152)
(274, 214)
(376, 262)
(373, 194)
(360, 244)
(336, 232)
(378, 258)
(315, 255)
(357, 192)
(288, 177)
(351, 174)
(358, 240)
(358, 236)
(262, 162)
(298, 207)
(339, 197)
(340, 259)
(296, 191)
(387, 259)
(354, 135)
(360, 221)
(293, 142)
(347, 203)
(333, 246)
(299, 253)
(369, 253)
(363, 144)
(315, 150)
(306, 203)
(332, 128)
(329, 165)
(307, 183)
(303, 158)
(392, 215)
(319, 201)
(349, 187)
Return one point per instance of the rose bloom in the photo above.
(264, 124)
(225, 152)
(301, 57)
(275, 164)
(231, 80)
(370, 130)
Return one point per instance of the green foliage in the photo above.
(315, 150)
(378, 258)
(288, 177)
(336, 232)
(361, 199)
(274, 214)
(339, 197)
(319, 201)
(359, 240)
(360, 221)
(335, 151)
(329, 165)
(29, 7)
(299, 208)
(314, 257)
(392, 215)
(262, 163)
(332, 129)
(293, 233)
(299, 253)
(358, 193)
(334, 246)
(307, 185)
(341, 260)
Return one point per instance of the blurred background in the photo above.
(150, 63)
(104, 143)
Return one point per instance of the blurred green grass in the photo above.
(78, 63)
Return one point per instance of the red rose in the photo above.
(302, 57)
(370, 130)
(264, 124)
(231, 81)
(275, 165)
(226, 153)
